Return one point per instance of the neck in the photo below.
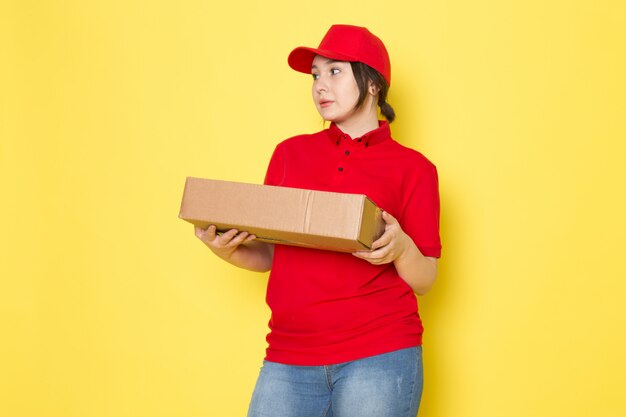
(360, 123)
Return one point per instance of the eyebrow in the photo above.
(329, 61)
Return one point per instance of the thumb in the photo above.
(388, 218)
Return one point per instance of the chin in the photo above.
(332, 117)
(327, 117)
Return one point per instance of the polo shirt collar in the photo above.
(373, 137)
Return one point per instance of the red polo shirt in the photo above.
(330, 307)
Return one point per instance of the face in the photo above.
(335, 91)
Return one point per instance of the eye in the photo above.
(315, 76)
(335, 71)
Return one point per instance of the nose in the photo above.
(320, 85)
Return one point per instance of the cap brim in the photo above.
(301, 58)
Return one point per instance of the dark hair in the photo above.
(363, 74)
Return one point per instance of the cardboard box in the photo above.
(290, 216)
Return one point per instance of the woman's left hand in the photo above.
(390, 246)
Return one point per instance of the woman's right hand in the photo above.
(238, 248)
(223, 245)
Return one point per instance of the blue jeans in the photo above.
(387, 385)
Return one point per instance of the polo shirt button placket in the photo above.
(344, 138)
(340, 168)
(346, 153)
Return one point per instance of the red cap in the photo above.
(345, 43)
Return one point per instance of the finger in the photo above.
(211, 232)
(382, 241)
(366, 256)
(363, 256)
(227, 236)
(388, 218)
(201, 232)
(238, 240)
(371, 256)
(380, 255)
(206, 235)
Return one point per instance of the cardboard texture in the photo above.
(290, 216)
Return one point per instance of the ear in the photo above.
(373, 88)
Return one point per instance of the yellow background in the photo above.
(109, 306)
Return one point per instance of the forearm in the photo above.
(417, 270)
(254, 256)
(238, 248)
(395, 246)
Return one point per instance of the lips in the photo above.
(325, 103)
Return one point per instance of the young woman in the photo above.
(345, 333)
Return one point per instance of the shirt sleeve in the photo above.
(420, 219)
(276, 169)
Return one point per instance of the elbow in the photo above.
(422, 290)
(267, 258)
(424, 285)
(259, 267)
(266, 267)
